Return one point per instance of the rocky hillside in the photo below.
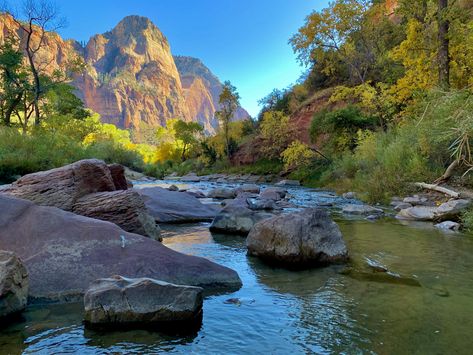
(132, 78)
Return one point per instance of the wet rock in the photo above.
(349, 195)
(300, 239)
(13, 284)
(64, 253)
(173, 188)
(236, 219)
(273, 193)
(222, 193)
(175, 207)
(449, 225)
(288, 183)
(373, 217)
(251, 188)
(142, 303)
(361, 210)
(125, 208)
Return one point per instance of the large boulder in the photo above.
(62, 187)
(300, 239)
(124, 208)
(64, 253)
(13, 284)
(450, 210)
(89, 188)
(235, 218)
(222, 193)
(175, 207)
(143, 302)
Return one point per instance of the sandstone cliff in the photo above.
(131, 76)
(202, 90)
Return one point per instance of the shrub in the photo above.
(297, 155)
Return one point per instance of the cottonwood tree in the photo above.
(188, 133)
(229, 101)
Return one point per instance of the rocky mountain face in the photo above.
(132, 79)
(202, 90)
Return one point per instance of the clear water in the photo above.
(318, 311)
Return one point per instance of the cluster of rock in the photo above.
(45, 221)
(246, 206)
(90, 188)
(421, 208)
(234, 178)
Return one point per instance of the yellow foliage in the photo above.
(297, 155)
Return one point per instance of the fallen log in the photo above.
(437, 188)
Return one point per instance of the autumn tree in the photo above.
(188, 133)
(229, 101)
(277, 133)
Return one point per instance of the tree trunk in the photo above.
(11, 107)
(34, 71)
(443, 56)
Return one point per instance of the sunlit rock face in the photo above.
(131, 77)
(202, 90)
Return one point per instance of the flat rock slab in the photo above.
(64, 253)
(176, 207)
(13, 284)
(119, 301)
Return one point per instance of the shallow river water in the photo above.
(424, 305)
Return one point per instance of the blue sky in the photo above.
(244, 41)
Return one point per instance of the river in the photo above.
(422, 305)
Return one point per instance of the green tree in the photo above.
(189, 133)
(229, 101)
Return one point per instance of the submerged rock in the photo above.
(143, 302)
(301, 239)
(449, 225)
(64, 253)
(175, 207)
(237, 219)
(13, 284)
